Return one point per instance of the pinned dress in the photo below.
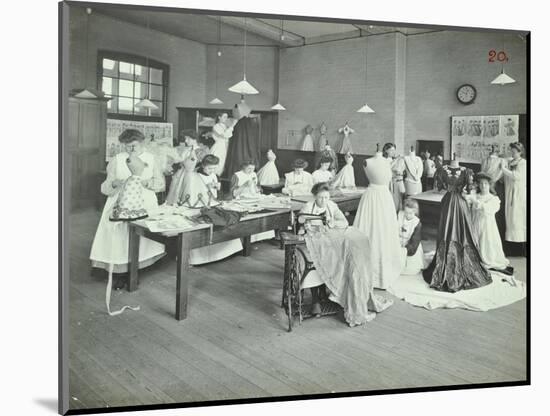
(457, 263)
(110, 245)
(221, 135)
(376, 218)
(346, 177)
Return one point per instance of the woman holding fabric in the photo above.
(341, 255)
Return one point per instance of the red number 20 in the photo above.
(500, 56)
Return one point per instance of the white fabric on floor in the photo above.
(414, 290)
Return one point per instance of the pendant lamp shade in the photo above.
(85, 93)
(503, 79)
(244, 87)
(216, 100)
(146, 103)
(366, 109)
(278, 107)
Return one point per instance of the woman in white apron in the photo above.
(221, 135)
(110, 245)
(410, 234)
(515, 189)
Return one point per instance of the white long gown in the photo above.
(485, 229)
(346, 177)
(110, 245)
(376, 217)
(515, 189)
(221, 135)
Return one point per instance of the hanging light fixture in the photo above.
(503, 78)
(216, 100)
(279, 106)
(87, 92)
(366, 109)
(145, 103)
(244, 87)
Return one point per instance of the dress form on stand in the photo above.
(346, 142)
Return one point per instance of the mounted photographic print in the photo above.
(264, 207)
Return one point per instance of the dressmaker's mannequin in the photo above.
(413, 171)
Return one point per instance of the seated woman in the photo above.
(244, 183)
(341, 257)
(410, 232)
(298, 182)
(323, 174)
(200, 189)
(484, 207)
(188, 146)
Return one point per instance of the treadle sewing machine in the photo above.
(298, 266)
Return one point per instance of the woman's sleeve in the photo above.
(517, 174)
(340, 220)
(414, 241)
(234, 186)
(107, 185)
(492, 206)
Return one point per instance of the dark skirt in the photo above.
(457, 262)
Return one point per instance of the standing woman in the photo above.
(397, 164)
(515, 191)
(110, 245)
(221, 135)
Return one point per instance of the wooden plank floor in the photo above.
(234, 343)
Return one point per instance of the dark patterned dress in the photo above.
(457, 263)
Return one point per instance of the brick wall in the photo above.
(438, 63)
(261, 64)
(411, 86)
(187, 59)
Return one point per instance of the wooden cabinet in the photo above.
(86, 134)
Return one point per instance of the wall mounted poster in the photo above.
(472, 137)
(159, 132)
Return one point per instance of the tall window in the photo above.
(127, 79)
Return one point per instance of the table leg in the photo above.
(247, 246)
(133, 259)
(182, 282)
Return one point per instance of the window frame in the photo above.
(139, 60)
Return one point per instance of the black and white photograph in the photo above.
(277, 207)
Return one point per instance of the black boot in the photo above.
(315, 304)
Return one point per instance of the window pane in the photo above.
(126, 88)
(112, 105)
(126, 70)
(107, 85)
(125, 105)
(156, 76)
(142, 73)
(140, 90)
(110, 67)
(158, 112)
(156, 92)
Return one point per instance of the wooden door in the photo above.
(86, 140)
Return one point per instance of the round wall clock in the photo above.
(466, 94)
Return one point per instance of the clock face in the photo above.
(466, 94)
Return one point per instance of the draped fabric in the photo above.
(244, 145)
(457, 264)
(341, 258)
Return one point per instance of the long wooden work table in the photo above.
(204, 235)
